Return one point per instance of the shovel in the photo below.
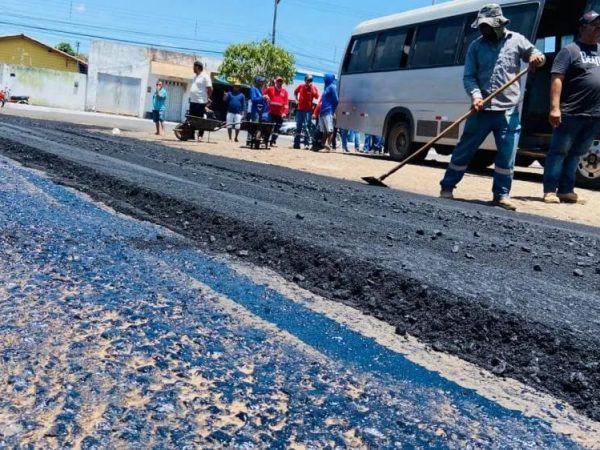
(378, 181)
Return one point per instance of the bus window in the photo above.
(593, 4)
(566, 40)
(389, 50)
(469, 36)
(436, 43)
(522, 18)
(361, 51)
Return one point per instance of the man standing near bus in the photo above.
(306, 94)
(492, 60)
(574, 110)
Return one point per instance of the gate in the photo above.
(118, 94)
(175, 93)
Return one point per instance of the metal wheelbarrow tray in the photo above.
(187, 130)
(260, 133)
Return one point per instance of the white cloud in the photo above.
(80, 8)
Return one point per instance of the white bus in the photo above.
(401, 76)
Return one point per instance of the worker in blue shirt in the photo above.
(260, 104)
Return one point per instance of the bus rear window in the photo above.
(436, 43)
(390, 49)
(361, 51)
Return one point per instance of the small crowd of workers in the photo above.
(491, 61)
(269, 104)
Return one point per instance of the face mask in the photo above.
(500, 32)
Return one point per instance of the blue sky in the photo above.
(316, 31)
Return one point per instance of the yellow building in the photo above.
(25, 51)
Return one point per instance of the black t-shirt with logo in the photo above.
(580, 64)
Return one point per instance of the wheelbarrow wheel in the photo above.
(257, 140)
(183, 132)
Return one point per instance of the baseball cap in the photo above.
(259, 79)
(308, 77)
(588, 17)
(279, 78)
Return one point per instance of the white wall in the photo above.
(119, 60)
(45, 87)
(135, 62)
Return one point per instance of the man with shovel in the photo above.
(492, 60)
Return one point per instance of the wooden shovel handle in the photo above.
(461, 119)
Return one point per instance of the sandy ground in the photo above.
(420, 179)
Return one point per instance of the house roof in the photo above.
(23, 36)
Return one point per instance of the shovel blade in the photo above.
(374, 181)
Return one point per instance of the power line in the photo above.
(118, 30)
(61, 33)
(107, 38)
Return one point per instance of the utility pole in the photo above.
(77, 45)
(71, 11)
(274, 21)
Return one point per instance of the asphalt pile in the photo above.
(515, 294)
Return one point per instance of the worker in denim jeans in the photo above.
(574, 110)
(492, 60)
(306, 96)
(350, 136)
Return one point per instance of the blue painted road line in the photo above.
(105, 342)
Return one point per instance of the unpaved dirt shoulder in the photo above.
(378, 272)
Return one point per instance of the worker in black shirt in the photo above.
(575, 110)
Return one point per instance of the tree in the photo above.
(243, 62)
(66, 48)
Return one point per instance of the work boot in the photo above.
(447, 194)
(505, 203)
(570, 197)
(551, 197)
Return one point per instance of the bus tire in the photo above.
(482, 159)
(399, 141)
(588, 170)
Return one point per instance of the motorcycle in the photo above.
(4, 95)
(20, 99)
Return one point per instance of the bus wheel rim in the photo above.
(589, 165)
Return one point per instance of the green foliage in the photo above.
(243, 62)
(66, 48)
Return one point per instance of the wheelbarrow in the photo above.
(187, 130)
(259, 133)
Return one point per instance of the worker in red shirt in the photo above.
(279, 104)
(306, 95)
